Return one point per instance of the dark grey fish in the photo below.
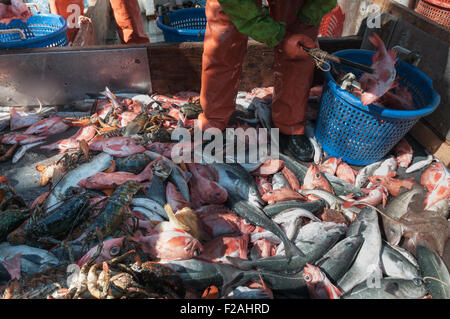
(432, 265)
(156, 191)
(367, 263)
(275, 209)
(338, 259)
(177, 176)
(389, 288)
(238, 182)
(314, 240)
(257, 217)
(132, 164)
(395, 265)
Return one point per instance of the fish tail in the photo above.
(231, 277)
(292, 250)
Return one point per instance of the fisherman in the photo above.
(127, 15)
(286, 26)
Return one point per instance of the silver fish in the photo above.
(279, 181)
(22, 150)
(363, 175)
(367, 262)
(441, 207)
(390, 288)
(318, 152)
(389, 165)
(150, 205)
(151, 215)
(395, 265)
(419, 165)
(33, 260)
(314, 238)
(99, 163)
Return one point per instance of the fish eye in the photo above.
(114, 251)
(306, 277)
(418, 282)
(317, 175)
(196, 252)
(349, 244)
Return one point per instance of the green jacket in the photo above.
(254, 21)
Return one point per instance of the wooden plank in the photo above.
(436, 146)
(177, 66)
(423, 23)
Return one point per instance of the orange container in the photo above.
(436, 10)
(332, 23)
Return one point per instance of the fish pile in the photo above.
(118, 218)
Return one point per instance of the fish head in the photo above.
(111, 248)
(314, 179)
(312, 274)
(379, 180)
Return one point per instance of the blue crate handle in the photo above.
(193, 17)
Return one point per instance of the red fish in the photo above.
(223, 222)
(219, 248)
(22, 139)
(104, 180)
(392, 185)
(398, 98)
(209, 191)
(212, 209)
(264, 186)
(330, 165)
(376, 195)
(291, 178)
(20, 119)
(127, 117)
(173, 244)
(432, 176)
(117, 146)
(346, 173)
(440, 192)
(404, 153)
(269, 167)
(382, 80)
(111, 248)
(86, 133)
(281, 195)
(319, 286)
(175, 198)
(164, 149)
(49, 126)
(314, 179)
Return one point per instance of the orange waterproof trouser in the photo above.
(61, 7)
(129, 21)
(224, 51)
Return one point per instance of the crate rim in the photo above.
(38, 39)
(190, 32)
(377, 110)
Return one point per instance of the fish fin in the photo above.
(230, 277)
(292, 250)
(266, 289)
(212, 292)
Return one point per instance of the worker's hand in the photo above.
(292, 45)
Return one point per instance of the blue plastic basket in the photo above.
(40, 30)
(359, 134)
(187, 25)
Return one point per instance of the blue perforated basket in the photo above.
(187, 25)
(40, 30)
(360, 134)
